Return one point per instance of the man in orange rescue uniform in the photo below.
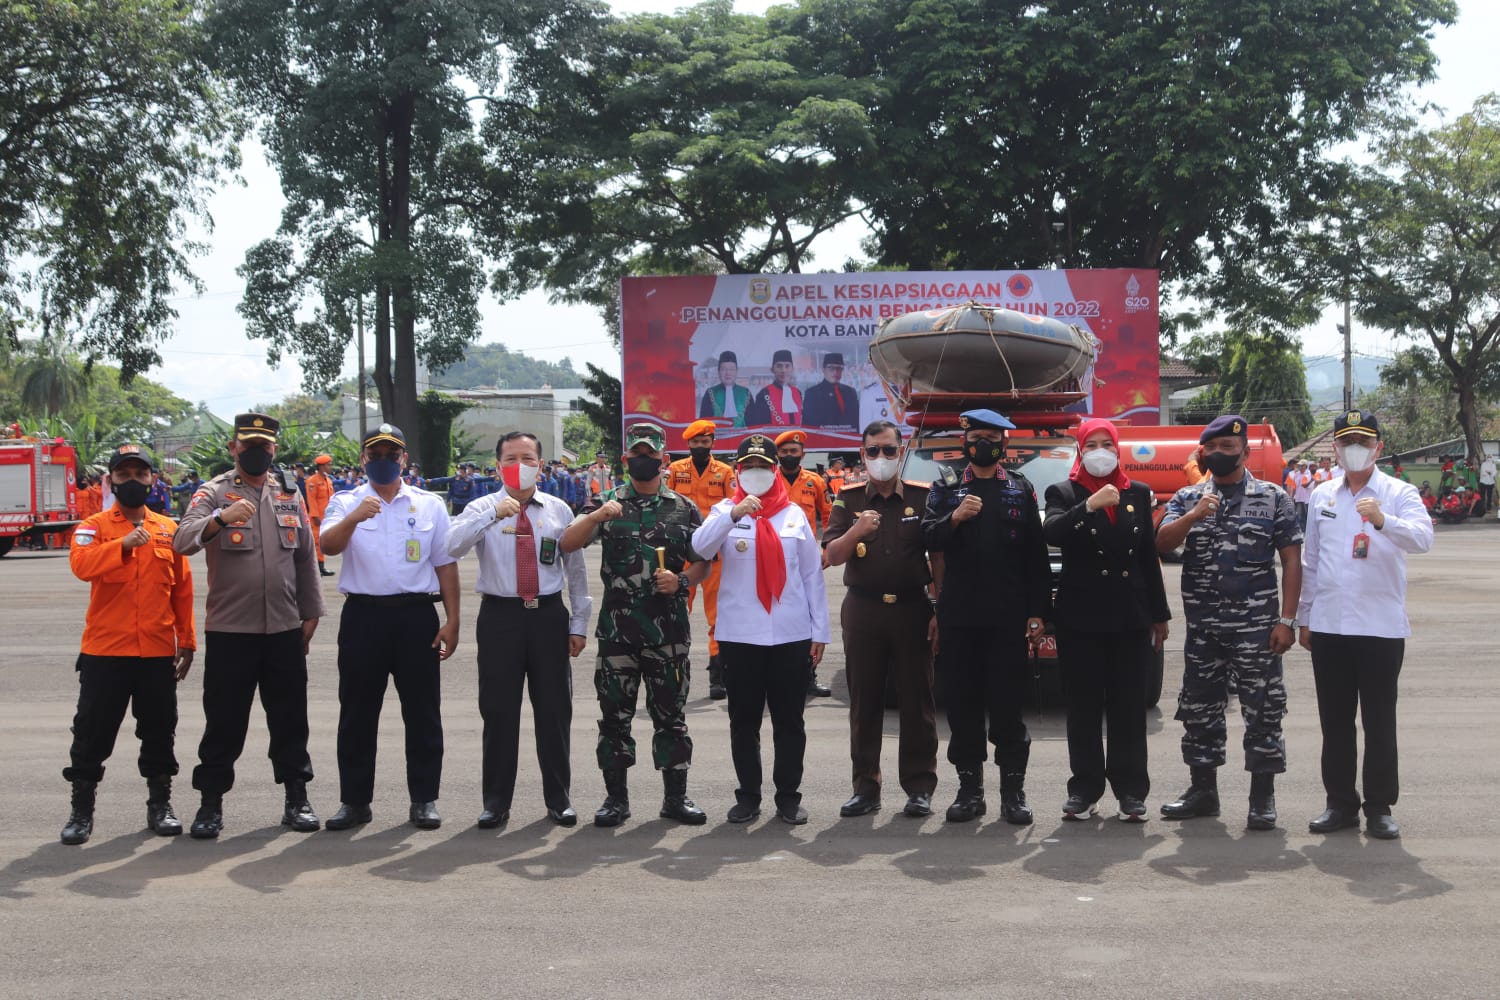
(808, 491)
(319, 492)
(137, 643)
(704, 480)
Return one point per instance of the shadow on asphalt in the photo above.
(53, 859)
(1082, 851)
(1203, 856)
(324, 850)
(180, 857)
(1381, 871)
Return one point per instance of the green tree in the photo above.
(493, 364)
(1260, 376)
(1189, 136)
(365, 117)
(694, 142)
(1414, 402)
(111, 131)
(605, 411)
(1417, 239)
(50, 378)
(582, 436)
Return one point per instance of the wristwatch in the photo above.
(219, 519)
(682, 581)
(1290, 623)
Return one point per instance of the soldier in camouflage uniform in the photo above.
(643, 623)
(1232, 528)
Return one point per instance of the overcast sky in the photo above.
(211, 360)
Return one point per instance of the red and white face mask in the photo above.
(519, 476)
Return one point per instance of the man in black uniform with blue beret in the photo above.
(995, 589)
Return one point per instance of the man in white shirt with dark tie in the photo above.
(526, 634)
(1360, 527)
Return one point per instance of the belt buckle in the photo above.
(533, 603)
(888, 598)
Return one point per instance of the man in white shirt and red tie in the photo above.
(526, 634)
(1352, 613)
(396, 566)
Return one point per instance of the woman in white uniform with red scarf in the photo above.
(773, 621)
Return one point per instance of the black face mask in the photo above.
(131, 493)
(255, 461)
(790, 463)
(643, 468)
(984, 453)
(700, 457)
(1221, 464)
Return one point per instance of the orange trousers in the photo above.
(317, 526)
(710, 588)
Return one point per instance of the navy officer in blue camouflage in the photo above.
(1234, 529)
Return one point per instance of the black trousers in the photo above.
(1104, 684)
(235, 664)
(985, 672)
(761, 677)
(106, 686)
(376, 643)
(524, 646)
(1356, 673)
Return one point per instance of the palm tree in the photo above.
(51, 379)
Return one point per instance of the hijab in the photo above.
(1090, 482)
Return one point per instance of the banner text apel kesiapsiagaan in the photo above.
(705, 345)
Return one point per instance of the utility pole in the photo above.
(1348, 331)
(363, 413)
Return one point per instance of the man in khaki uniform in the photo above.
(264, 602)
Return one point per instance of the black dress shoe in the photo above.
(1078, 808)
(349, 816)
(566, 816)
(1196, 801)
(424, 816)
(325, 571)
(743, 812)
(817, 690)
(492, 818)
(791, 813)
(918, 805)
(1014, 808)
(299, 816)
(862, 804)
(1333, 820)
(1382, 827)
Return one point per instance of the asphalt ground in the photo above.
(881, 906)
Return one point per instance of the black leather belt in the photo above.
(899, 597)
(393, 600)
(540, 602)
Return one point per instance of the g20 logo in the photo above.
(1139, 303)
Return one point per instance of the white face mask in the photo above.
(881, 470)
(1356, 457)
(757, 481)
(1100, 462)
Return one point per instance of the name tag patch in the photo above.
(1326, 512)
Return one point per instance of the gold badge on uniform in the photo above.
(1130, 508)
(741, 545)
(860, 550)
(910, 512)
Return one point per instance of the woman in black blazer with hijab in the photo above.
(1110, 616)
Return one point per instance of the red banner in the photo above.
(770, 352)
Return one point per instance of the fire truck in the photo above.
(38, 488)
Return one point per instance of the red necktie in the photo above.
(527, 583)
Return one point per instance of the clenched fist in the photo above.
(968, 509)
(610, 510)
(140, 536)
(749, 505)
(238, 512)
(1108, 496)
(507, 506)
(366, 509)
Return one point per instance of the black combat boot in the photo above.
(160, 819)
(677, 805)
(616, 807)
(81, 819)
(1013, 798)
(1202, 799)
(970, 801)
(209, 822)
(716, 689)
(1262, 802)
(298, 813)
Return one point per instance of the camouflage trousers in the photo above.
(619, 673)
(1220, 662)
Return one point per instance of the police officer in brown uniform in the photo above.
(264, 602)
(875, 533)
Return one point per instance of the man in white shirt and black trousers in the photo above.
(526, 634)
(1353, 616)
(396, 566)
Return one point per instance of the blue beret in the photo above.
(971, 420)
(1229, 425)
